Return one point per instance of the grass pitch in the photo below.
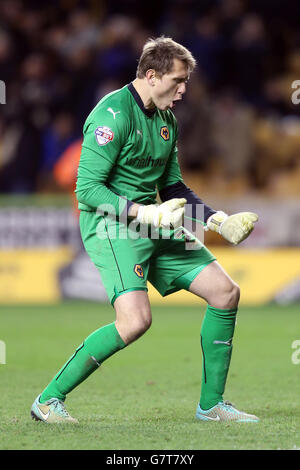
(145, 396)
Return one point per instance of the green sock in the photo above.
(216, 343)
(97, 347)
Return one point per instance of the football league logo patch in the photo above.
(104, 135)
(164, 132)
(139, 270)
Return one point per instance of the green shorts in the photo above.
(127, 259)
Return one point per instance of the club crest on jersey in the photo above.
(164, 132)
(139, 270)
(104, 135)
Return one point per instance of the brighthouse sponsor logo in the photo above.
(145, 162)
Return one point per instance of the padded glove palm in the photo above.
(167, 215)
(234, 228)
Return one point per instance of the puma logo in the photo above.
(113, 113)
(228, 343)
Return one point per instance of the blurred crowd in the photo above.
(239, 127)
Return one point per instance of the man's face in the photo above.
(170, 87)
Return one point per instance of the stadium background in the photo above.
(239, 136)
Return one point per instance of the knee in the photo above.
(131, 329)
(231, 295)
(141, 325)
(228, 295)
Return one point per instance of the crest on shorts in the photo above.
(164, 132)
(139, 270)
(104, 135)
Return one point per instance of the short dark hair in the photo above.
(159, 54)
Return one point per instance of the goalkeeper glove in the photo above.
(167, 215)
(234, 228)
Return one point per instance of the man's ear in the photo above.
(151, 75)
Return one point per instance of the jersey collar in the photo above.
(139, 102)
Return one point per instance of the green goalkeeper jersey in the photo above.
(128, 152)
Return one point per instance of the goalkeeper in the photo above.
(129, 154)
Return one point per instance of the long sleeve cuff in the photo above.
(179, 189)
